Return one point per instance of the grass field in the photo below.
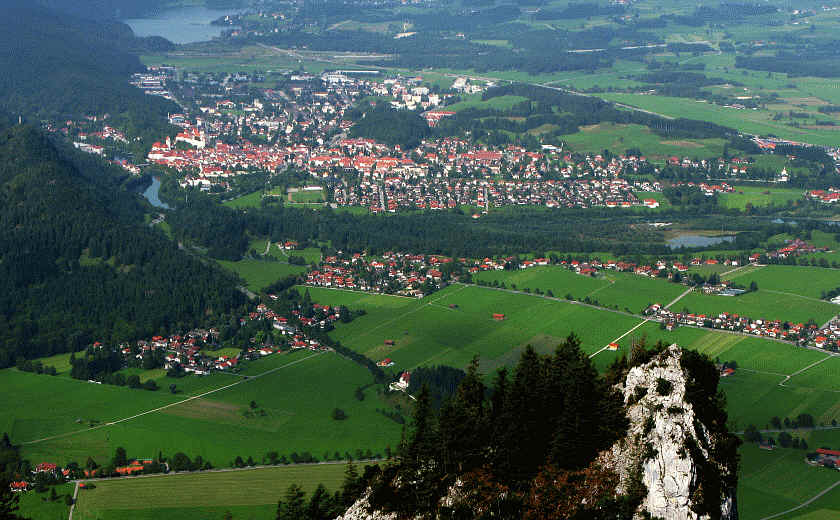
(258, 274)
(624, 290)
(774, 481)
(759, 196)
(430, 332)
(790, 280)
(251, 200)
(749, 121)
(618, 138)
(308, 196)
(825, 376)
(48, 405)
(762, 304)
(297, 400)
(497, 103)
(246, 494)
(38, 506)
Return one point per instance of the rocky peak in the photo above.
(667, 447)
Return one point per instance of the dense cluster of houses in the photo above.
(393, 273)
(193, 352)
(733, 322)
(792, 248)
(810, 335)
(829, 196)
(43, 470)
(826, 458)
(303, 126)
(709, 189)
(396, 193)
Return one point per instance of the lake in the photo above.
(180, 25)
(697, 241)
(151, 194)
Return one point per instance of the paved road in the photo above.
(154, 410)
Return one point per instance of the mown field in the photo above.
(251, 200)
(749, 121)
(762, 304)
(308, 196)
(774, 481)
(496, 103)
(259, 274)
(38, 506)
(430, 332)
(618, 138)
(614, 290)
(759, 196)
(790, 280)
(250, 494)
(293, 411)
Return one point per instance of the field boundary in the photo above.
(170, 405)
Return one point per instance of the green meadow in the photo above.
(749, 121)
(293, 410)
(259, 274)
(251, 200)
(308, 196)
(495, 103)
(247, 494)
(793, 281)
(761, 304)
(453, 325)
(612, 289)
(38, 506)
(774, 481)
(618, 138)
(759, 196)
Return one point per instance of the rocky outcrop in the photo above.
(668, 448)
(359, 511)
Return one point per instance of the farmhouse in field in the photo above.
(498, 316)
(402, 383)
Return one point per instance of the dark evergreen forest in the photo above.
(59, 67)
(74, 266)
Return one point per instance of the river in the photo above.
(151, 194)
(180, 25)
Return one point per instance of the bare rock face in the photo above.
(666, 445)
(359, 511)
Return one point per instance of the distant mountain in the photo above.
(59, 66)
(75, 267)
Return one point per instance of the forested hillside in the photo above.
(75, 268)
(61, 67)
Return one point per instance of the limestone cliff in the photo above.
(687, 467)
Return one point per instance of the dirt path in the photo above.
(815, 363)
(158, 409)
(680, 297)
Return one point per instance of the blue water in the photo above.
(151, 194)
(181, 25)
(697, 241)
